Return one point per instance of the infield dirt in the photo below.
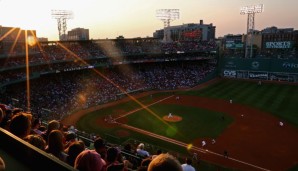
(254, 141)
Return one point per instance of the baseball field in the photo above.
(248, 128)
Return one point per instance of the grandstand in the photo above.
(190, 95)
(78, 83)
(70, 69)
(69, 76)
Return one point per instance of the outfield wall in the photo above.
(260, 69)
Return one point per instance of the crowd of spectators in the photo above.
(189, 46)
(61, 142)
(68, 51)
(73, 90)
(57, 57)
(70, 91)
(55, 94)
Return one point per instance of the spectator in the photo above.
(69, 139)
(130, 153)
(43, 129)
(73, 151)
(52, 125)
(164, 162)
(141, 151)
(56, 145)
(128, 149)
(187, 166)
(6, 116)
(36, 123)
(89, 160)
(158, 152)
(36, 140)
(144, 164)
(114, 157)
(100, 147)
(20, 125)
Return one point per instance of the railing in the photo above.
(29, 156)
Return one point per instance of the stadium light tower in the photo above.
(167, 15)
(250, 11)
(61, 16)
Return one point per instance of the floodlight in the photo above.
(167, 15)
(250, 11)
(61, 16)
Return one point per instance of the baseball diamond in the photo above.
(250, 131)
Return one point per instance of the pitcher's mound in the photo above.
(174, 118)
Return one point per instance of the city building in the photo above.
(270, 42)
(191, 31)
(43, 39)
(233, 45)
(281, 41)
(78, 34)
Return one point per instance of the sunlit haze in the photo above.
(137, 18)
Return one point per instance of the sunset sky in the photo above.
(137, 18)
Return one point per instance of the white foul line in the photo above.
(175, 141)
(133, 111)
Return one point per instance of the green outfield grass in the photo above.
(280, 100)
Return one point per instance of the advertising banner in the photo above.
(258, 75)
(279, 45)
(234, 45)
(230, 73)
(253, 64)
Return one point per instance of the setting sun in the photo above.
(31, 40)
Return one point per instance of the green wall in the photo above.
(253, 64)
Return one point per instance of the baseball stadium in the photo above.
(222, 103)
